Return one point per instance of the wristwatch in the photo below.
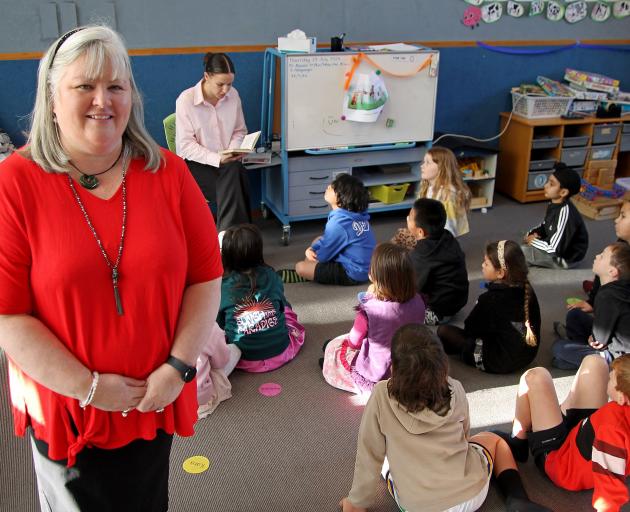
(187, 372)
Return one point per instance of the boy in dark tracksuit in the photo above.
(608, 331)
(561, 241)
(438, 261)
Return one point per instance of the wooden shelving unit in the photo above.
(517, 151)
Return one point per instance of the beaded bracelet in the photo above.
(91, 392)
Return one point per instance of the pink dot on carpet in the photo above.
(270, 389)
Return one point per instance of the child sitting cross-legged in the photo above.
(358, 360)
(561, 240)
(607, 331)
(342, 254)
(415, 432)
(254, 312)
(502, 332)
(583, 443)
(580, 312)
(442, 180)
(438, 261)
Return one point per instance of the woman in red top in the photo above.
(109, 283)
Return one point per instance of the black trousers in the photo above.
(228, 186)
(128, 479)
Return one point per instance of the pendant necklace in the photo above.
(112, 266)
(90, 181)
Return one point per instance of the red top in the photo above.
(52, 268)
(607, 470)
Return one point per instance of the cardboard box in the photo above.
(308, 45)
(600, 172)
(601, 208)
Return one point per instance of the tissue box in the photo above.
(287, 44)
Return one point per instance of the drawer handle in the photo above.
(316, 207)
(317, 193)
(320, 178)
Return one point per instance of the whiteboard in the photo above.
(314, 96)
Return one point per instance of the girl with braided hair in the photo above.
(502, 332)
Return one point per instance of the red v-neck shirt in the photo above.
(52, 268)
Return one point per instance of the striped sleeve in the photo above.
(551, 246)
(609, 465)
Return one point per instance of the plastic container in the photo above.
(626, 128)
(537, 180)
(541, 165)
(571, 142)
(574, 156)
(605, 133)
(537, 107)
(545, 143)
(602, 152)
(389, 194)
(624, 144)
(579, 170)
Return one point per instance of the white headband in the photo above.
(501, 254)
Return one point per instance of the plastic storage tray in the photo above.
(537, 180)
(624, 145)
(571, 142)
(602, 152)
(626, 128)
(605, 133)
(545, 142)
(574, 156)
(389, 194)
(541, 165)
(579, 170)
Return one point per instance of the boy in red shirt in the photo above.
(584, 442)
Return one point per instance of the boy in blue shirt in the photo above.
(342, 254)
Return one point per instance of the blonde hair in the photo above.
(448, 178)
(100, 45)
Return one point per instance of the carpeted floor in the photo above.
(295, 451)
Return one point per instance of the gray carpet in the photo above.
(295, 451)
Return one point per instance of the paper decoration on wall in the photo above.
(536, 7)
(601, 11)
(576, 11)
(491, 12)
(555, 11)
(621, 9)
(515, 9)
(472, 15)
(573, 11)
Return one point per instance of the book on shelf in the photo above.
(247, 146)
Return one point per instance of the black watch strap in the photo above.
(187, 372)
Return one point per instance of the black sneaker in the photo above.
(523, 505)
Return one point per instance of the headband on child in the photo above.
(501, 254)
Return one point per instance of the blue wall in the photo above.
(473, 86)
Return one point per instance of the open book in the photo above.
(247, 146)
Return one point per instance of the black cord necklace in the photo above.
(90, 181)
